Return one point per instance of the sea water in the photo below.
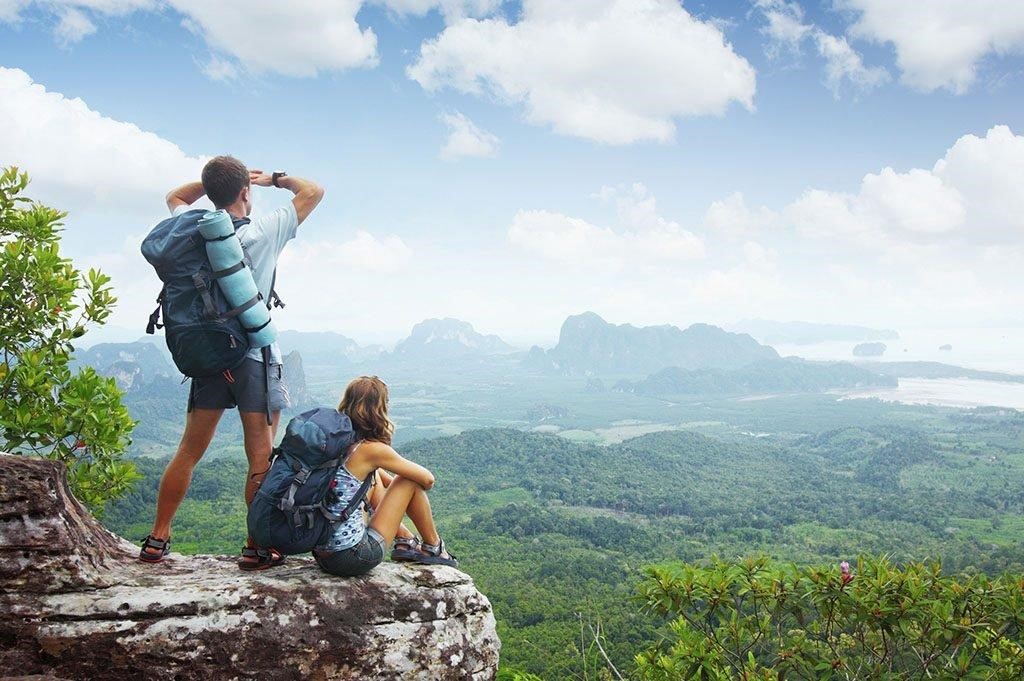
(987, 349)
(948, 392)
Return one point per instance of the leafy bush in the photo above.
(753, 619)
(45, 304)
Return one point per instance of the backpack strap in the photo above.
(154, 319)
(241, 308)
(273, 299)
(237, 267)
(266, 378)
(353, 505)
(287, 502)
(209, 309)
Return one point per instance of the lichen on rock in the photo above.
(76, 604)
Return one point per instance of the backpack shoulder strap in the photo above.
(360, 495)
(154, 318)
(274, 300)
(357, 499)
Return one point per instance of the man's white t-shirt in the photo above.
(263, 239)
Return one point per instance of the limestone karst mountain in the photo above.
(589, 344)
(439, 339)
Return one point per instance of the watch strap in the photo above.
(277, 176)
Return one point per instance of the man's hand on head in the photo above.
(307, 193)
(261, 179)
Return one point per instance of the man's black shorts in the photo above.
(243, 387)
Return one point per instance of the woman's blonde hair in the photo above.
(366, 402)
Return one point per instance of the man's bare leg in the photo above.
(258, 439)
(200, 425)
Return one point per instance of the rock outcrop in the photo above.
(76, 604)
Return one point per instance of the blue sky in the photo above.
(654, 162)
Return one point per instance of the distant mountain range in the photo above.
(441, 339)
(807, 333)
(588, 344)
(130, 364)
(767, 376)
(327, 347)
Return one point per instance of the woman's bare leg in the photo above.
(377, 496)
(404, 497)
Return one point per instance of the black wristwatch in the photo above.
(277, 176)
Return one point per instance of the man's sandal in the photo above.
(405, 549)
(259, 559)
(153, 549)
(431, 554)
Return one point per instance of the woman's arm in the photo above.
(380, 455)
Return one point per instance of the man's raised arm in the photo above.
(185, 195)
(307, 193)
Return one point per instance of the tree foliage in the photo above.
(46, 409)
(754, 619)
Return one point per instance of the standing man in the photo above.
(228, 184)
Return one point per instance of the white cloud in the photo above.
(786, 31)
(939, 43)
(831, 215)
(73, 26)
(733, 218)
(646, 238)
(316, 260)
(989, 173)
(785, 26)
(614, 71)
(843, 63)
(888, 203)
(296, 38)
(975, 186)
(80, 159)
(915, 201)
(466, 139)
(72, 16)
(220, 69)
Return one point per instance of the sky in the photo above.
(513, 163)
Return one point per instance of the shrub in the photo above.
(753, 619)
(46, 409)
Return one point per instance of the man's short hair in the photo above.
(224, 178)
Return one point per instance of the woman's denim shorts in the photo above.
(355, 560)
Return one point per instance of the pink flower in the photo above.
(846, 575)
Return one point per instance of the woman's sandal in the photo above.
(153, 549)
(259, 559)
(435, 555)
(405, 549)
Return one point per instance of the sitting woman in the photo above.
(355, 547)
